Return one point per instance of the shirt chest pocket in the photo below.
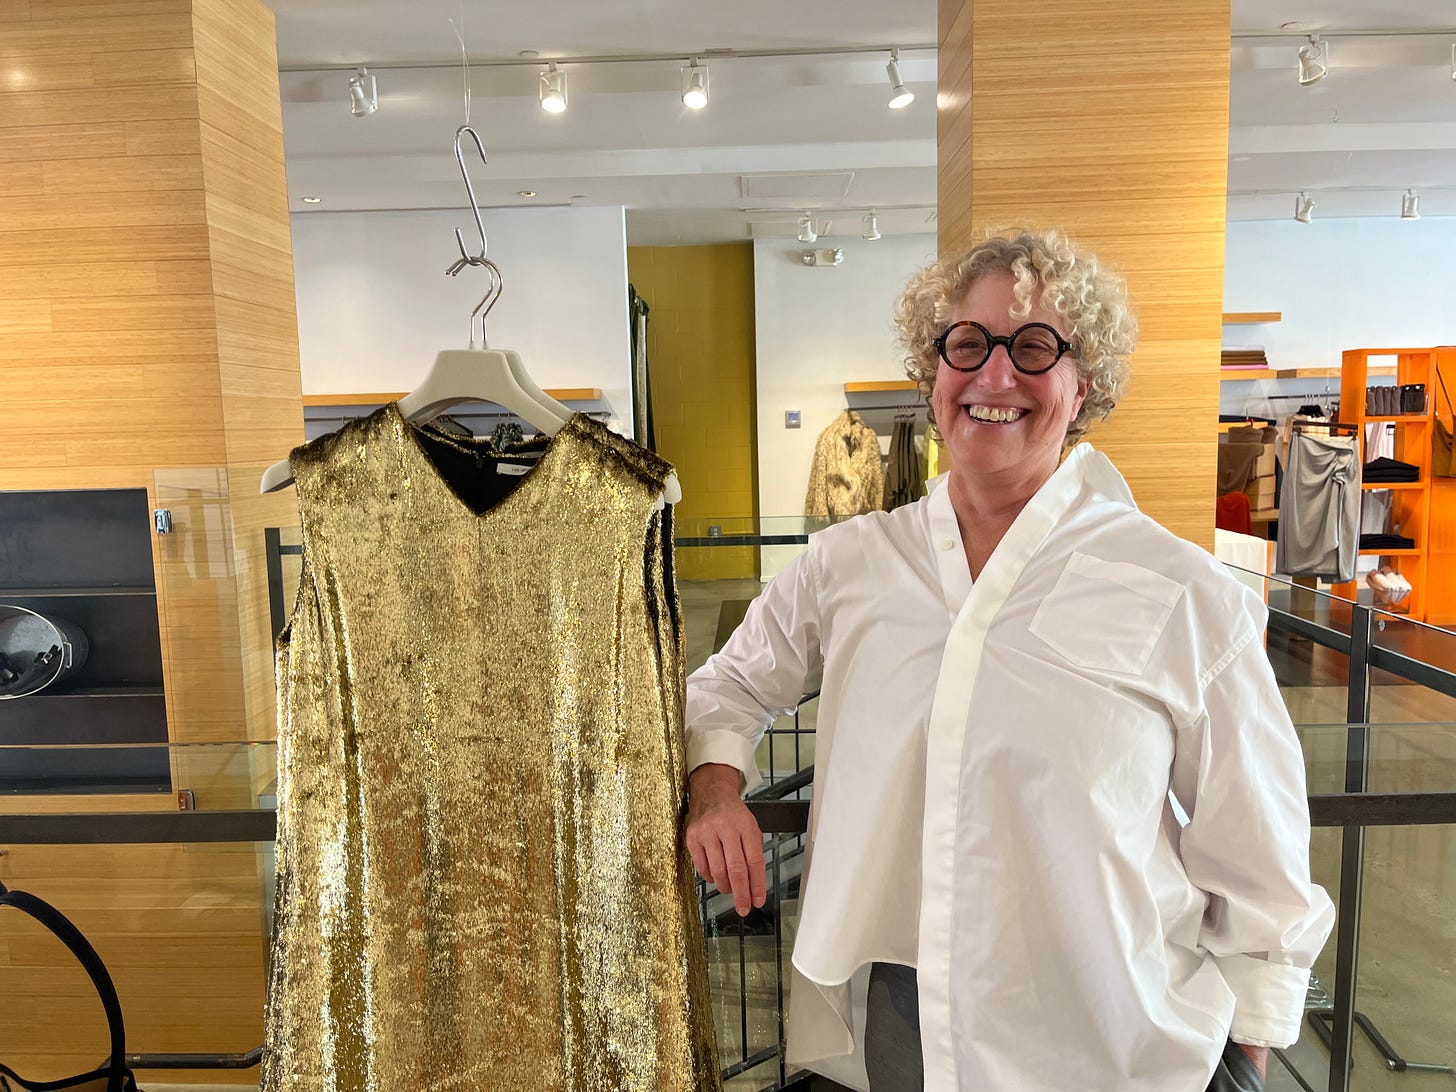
(1106, 615)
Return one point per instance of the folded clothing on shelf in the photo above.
(1386, 542)
(1389, 470)
(1231, 513)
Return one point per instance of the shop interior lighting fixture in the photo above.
(553, 90)
(1410, 206)
(310, 200)
(695, 85)
(1314, 61)
(1303, 208)
(1453, 60)
(807, 234)
(872, 227)
(900, 97)
(363, 93)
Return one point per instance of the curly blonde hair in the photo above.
(1049, 271)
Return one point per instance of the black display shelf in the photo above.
(88, 770)
(86, 556)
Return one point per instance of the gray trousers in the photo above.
(892, 1039)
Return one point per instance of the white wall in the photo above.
(817, 329)
(375, 306)
(1341, 284)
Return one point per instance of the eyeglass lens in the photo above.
(1033, 348)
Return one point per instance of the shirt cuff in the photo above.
(1268, 1000)
(728, 748)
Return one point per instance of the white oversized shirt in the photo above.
(993, 794)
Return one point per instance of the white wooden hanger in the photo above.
(476, 375)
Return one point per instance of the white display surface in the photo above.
(375, 305)
(817, 329)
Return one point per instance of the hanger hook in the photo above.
(466, 258)
(492, 295)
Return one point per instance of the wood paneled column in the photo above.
(1109, 119)
(148, 340)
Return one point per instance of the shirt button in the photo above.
(947, 544)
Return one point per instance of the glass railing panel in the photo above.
(1406, 988)
(182, 930)
(1407, 648)
(748, 970)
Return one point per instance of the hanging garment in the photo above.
(1443, 447)
(1319, 514)
(642, 422)
(1236, 466)
(481, 883)
(991, 793)
(1379, 441)
(846, 478)
(1375, 511)
(904, 478)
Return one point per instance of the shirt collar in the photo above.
(1084, 465)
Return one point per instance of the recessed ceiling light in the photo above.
(1291, 26)
(530, 53)
(525, 193)
(310, 200)
(578, 197)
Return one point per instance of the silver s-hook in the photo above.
(466, 258)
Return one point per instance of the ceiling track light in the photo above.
(807, 234)
(553, 90)
(900, 97)
(872, 227)
(1314, 60)
(363, 93)
(1410, 206)
(695, 85)
(1303, 208)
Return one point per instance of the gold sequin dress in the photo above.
(481, 883)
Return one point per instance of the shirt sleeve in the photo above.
(1239, 775)
(760, 674)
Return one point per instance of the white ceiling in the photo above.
(1382, 121)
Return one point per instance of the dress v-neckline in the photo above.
(413, 441)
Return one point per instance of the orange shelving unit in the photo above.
(1441, 539)
(1410, 508)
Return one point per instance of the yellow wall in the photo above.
(701, 360)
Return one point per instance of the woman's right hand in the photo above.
(723, 836)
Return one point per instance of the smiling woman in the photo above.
(1018, 674)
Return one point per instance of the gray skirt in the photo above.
(892, 1039)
